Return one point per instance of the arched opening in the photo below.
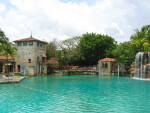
(106, 65)
(103, 66)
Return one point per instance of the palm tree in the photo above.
(3, 40)
(140, 39)
(9, 49)
(146, 32)
(141, 43)
(3, 37)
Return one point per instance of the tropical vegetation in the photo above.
(6, 48)
(139, 41)
(87, 49)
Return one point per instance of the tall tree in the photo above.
(125, 52)
(51, 49)
(70, 52)
(94, 47)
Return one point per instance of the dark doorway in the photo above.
(1, 68)
(18, 68)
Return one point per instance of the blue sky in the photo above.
(89, 2)
(62, 19)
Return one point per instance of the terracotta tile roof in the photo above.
(9, 58)
(107, 60)
(30, 39)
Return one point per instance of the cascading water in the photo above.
(142, 65)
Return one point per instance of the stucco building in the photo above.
(32, 56)
(109, 66)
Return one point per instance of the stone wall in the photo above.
(30, 52)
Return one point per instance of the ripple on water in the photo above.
(76, 94)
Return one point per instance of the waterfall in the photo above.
(141, 53)
(142, 65)
(144, 71)
(136, 74)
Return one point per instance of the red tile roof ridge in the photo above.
(9, 57)
(30, 39)
(107, 60)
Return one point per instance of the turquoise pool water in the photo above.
(76, 94)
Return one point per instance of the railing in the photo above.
(92, 68)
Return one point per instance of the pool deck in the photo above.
(15, 79)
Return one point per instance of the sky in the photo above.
(63, 19)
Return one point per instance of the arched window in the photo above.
(106, 65)
(103, 66)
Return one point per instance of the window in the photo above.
(41, 45)
(30, 43)
(24, 43)
(38, 44)
(29, 60)
(37, 59)
(19, 44)
(43, 59)
(102, 65)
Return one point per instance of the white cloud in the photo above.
(2, 7)
(49, 19)
(114, 25)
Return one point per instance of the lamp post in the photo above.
(24, 70)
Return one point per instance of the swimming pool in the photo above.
(84, 93)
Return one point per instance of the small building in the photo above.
(4, 64)
(32, 56)
(109, 66)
